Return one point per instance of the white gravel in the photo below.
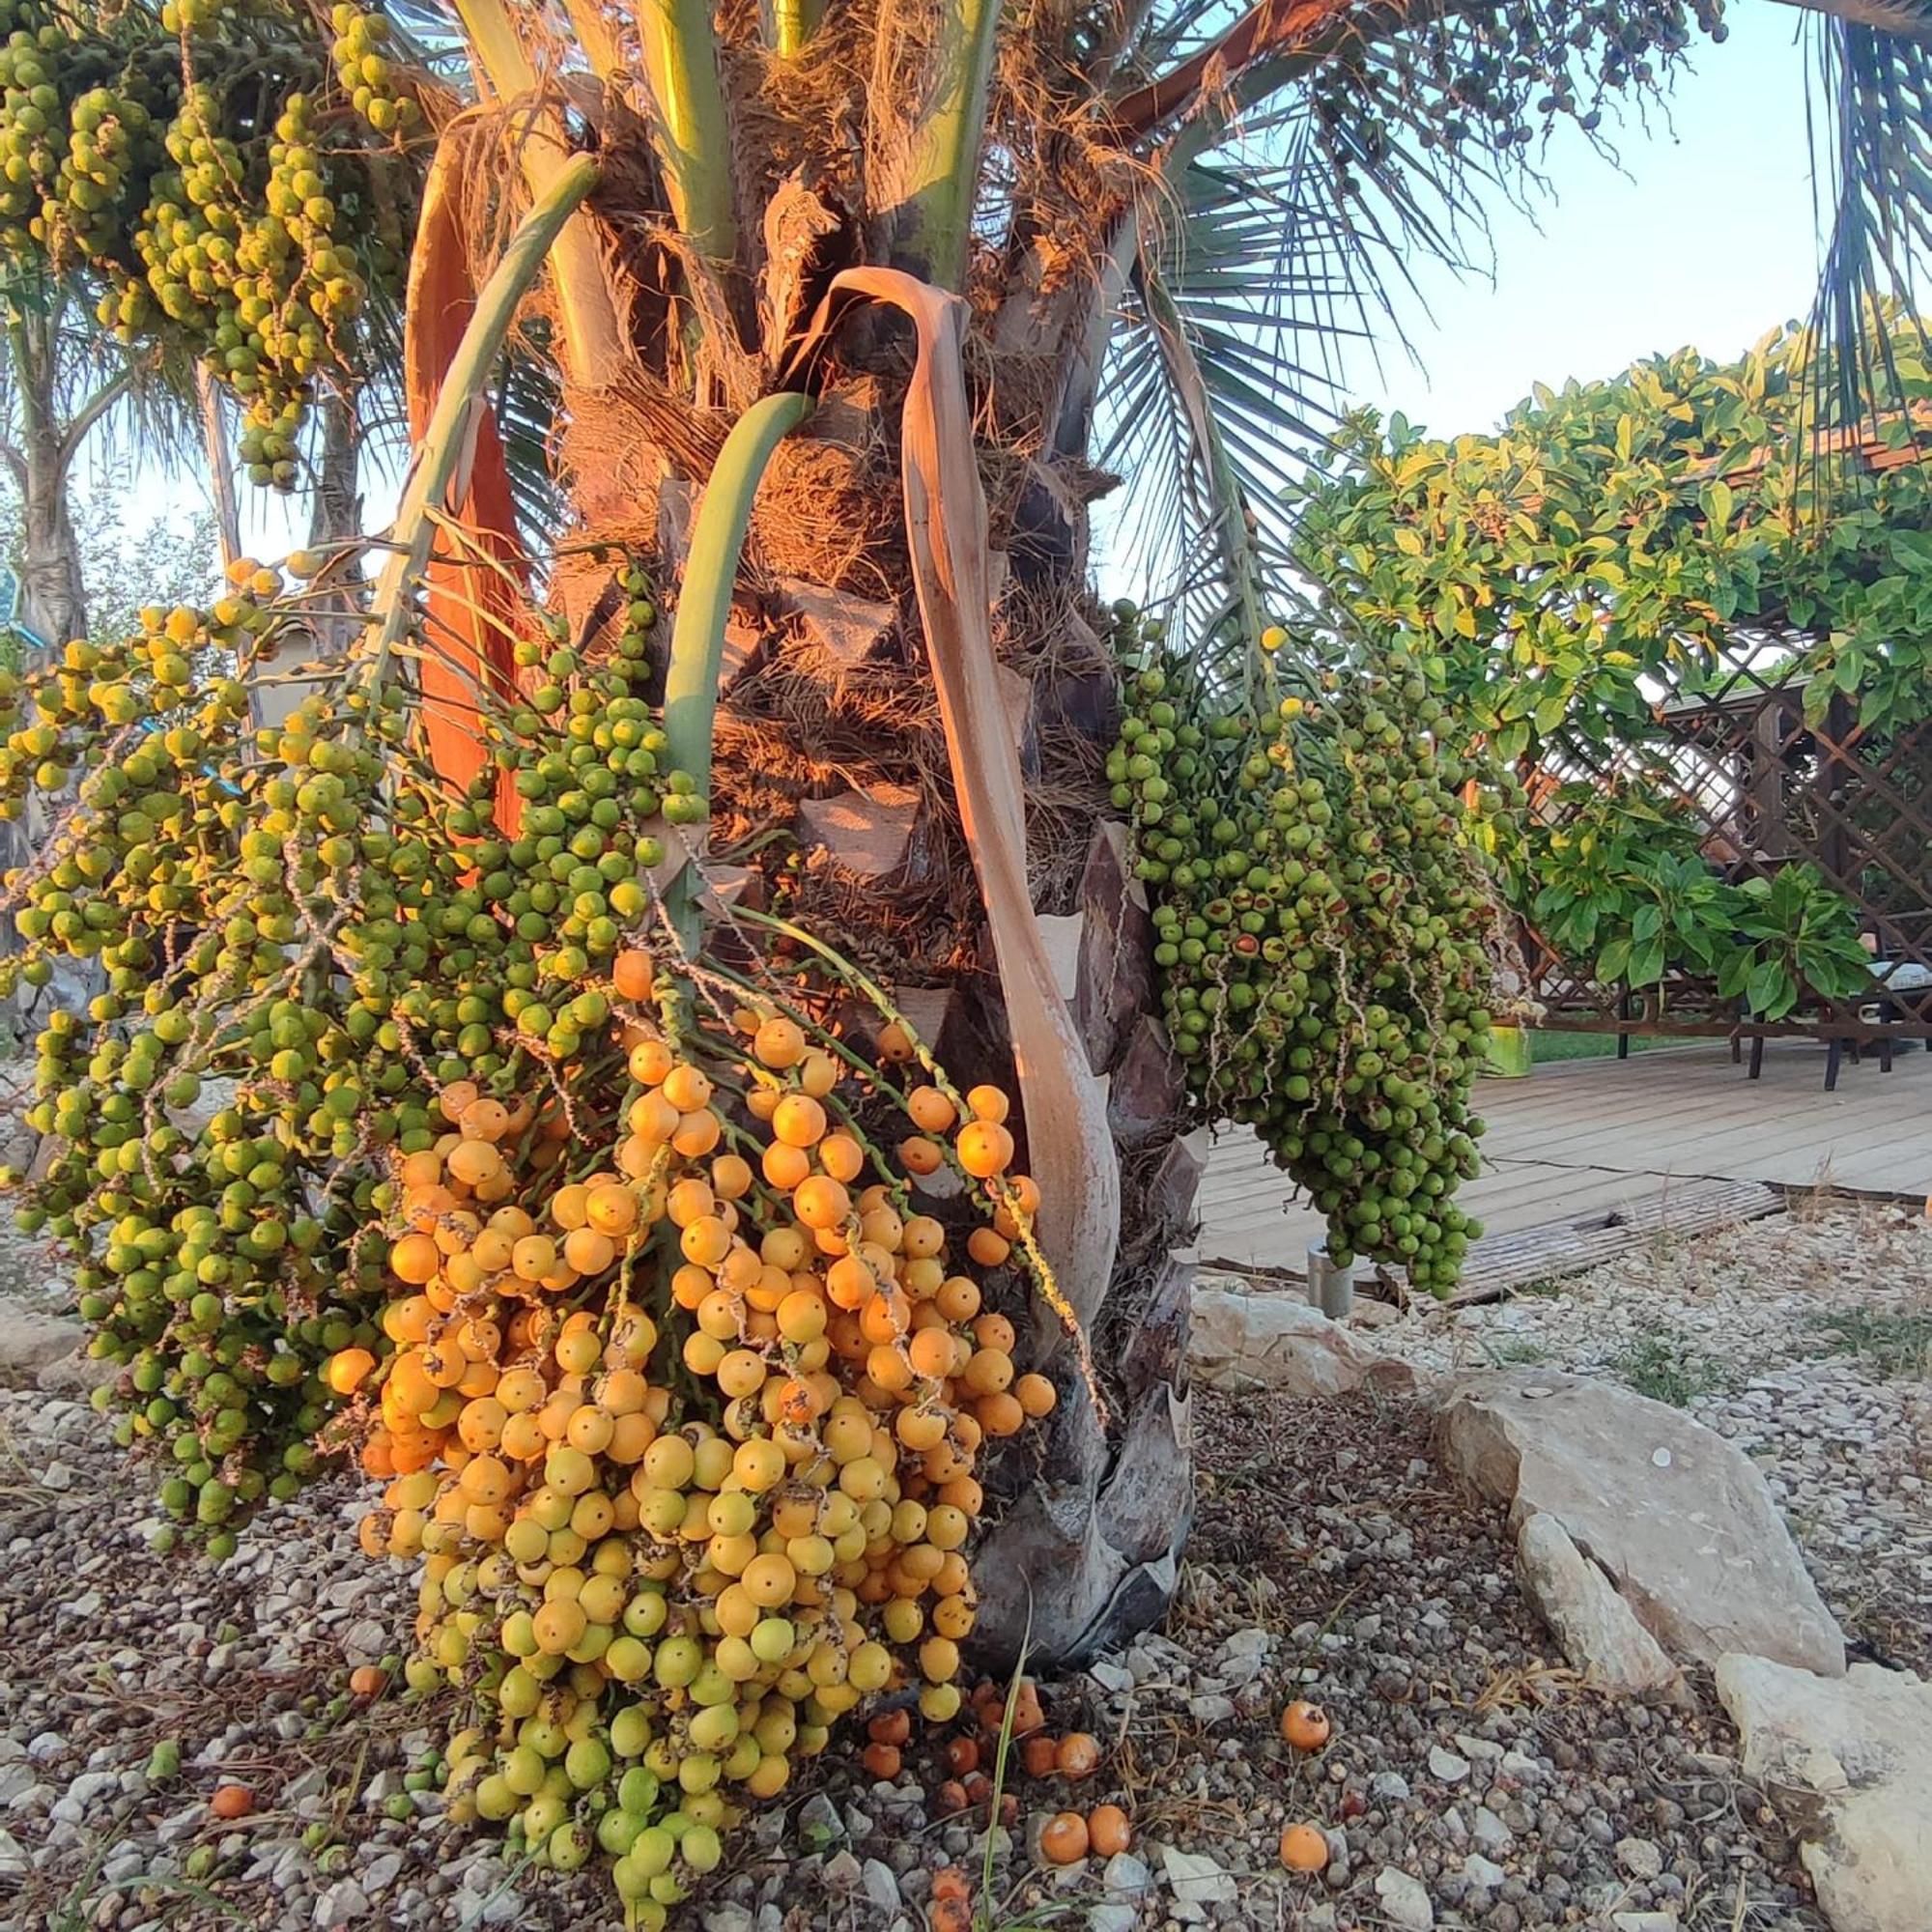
(1329, 1560)
(1807, 1340)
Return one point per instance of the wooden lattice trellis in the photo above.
(1767, 789)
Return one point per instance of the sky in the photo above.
(1703, 231)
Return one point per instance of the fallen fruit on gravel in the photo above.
(1064, 1839)
(1305, 1726)
(1303, 1847)
(231, 1800)
(1108, 1831)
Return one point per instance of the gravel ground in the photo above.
(1807, 1340)
(1468, 1782)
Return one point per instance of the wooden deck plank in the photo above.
(1506, 1200)
(1657, 1134)
(1789, 1149)
(1559, 1248)
(1571, 1114)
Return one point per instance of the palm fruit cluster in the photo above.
(294, 941)
(258, 272)
(367, 73)
(78, 141)
(1322, 931)
(192, 174)
(1498, 79)
(398, 1130)
(683, 1418)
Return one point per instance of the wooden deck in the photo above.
(1587, 1156)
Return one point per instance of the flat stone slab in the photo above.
(1274, 1341)
(1678, 1518)
(1848, 1763)
(31, 1341)
(1598, 1630)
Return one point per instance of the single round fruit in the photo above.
(1305, 1726)
(1305, 1848)
(1108, 1831)
(1064, 1840)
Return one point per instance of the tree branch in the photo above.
(9, 455)
(1909, 20)
(1295, 33)
(89, 414)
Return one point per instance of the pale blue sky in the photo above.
(1703, 234)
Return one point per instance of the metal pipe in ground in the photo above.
(1330, 1289)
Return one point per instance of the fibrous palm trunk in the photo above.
(838, 794)
(53, 599)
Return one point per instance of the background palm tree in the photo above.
(60, 379)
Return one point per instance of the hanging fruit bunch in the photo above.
(684, 1416)
(199, 171)
(298, 935)
(662, 1296)
(1323, 932)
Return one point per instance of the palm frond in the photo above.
(1870, 148)
(1273, 258)
(128, 404)
(527, 402)
(1221, 365)
(1910, 20)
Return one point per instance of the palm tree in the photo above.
(847, 315)
(58, 381)
(907, 284)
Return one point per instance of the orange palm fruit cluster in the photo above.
(697, 1589)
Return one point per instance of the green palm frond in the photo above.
(1304, 191)
(1870, 145)
(1222, 365)
(526, 403)
(1276, 246)
(132, 405)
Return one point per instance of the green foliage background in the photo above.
(1590, 563)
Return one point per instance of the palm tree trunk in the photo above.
(1087, 1549)
(335, 511)
(1085, 1527)
(220, 467)
(53, 596)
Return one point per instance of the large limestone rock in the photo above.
(1598, 1630)
(1676, 1517)
(30, 1342)
(1848, 1761)
(1244, 1339)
